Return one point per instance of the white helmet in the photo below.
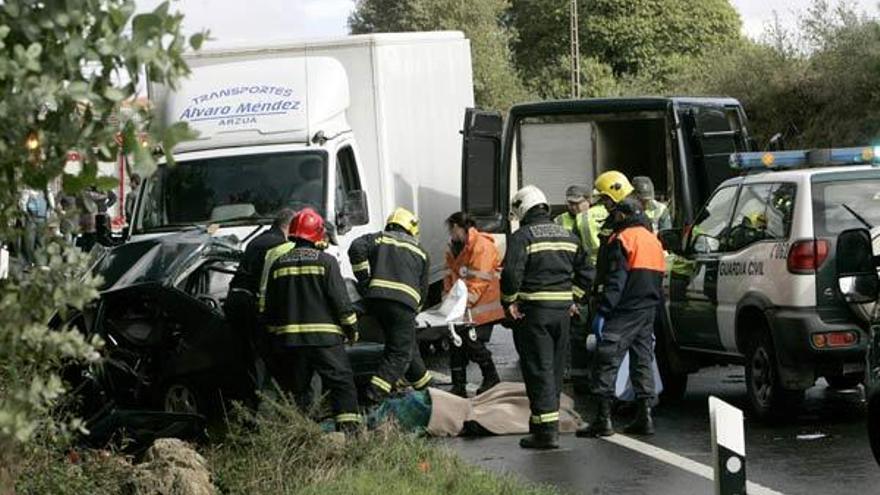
(525, 199)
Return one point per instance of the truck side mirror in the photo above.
(857, 277)
(671, 240)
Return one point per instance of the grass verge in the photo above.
(279, 451)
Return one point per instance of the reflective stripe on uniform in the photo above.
(361, 267)
(423, 381)
(350, 319)
(289, 271)
(546, 296)
(552, 246)
(394, 242)
(509, 298)
(348, 418)
(545, 418)
(577, 291)
(381, 384)
(307, 328)
(388, 284)
(271, 257)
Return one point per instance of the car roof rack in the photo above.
(798, 159)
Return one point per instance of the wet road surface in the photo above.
(823, 449)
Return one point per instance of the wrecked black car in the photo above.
(169, 347)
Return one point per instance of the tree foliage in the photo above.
(816, 86)
(643, 39)
(496, 84)
(61, 64)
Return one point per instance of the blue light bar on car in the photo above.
(781, 160)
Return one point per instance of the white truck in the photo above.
(352, 126)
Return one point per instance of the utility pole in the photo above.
(575, 52)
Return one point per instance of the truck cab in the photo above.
(682, 144)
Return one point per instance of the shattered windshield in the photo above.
(232, 188)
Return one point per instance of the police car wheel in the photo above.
(769, 400)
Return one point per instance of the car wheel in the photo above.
(768, 399)
(843, 382)
(874, 425)
(182, 396)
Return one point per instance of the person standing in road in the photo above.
(35, 205)
(308, 316)
(392, 271)
(472, 257)
(628, 284)
(656, 211)
(545, 273)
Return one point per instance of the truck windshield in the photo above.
(862, 196)
(230, 189)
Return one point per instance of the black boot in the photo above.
(350, 428)
(543, 437)
(643, 424)
(601, 426)
(490, 377)
(459, 382)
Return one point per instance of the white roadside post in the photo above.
(728, 447)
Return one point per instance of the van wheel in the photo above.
(874, 425)
(768, 399)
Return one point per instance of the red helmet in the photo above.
(308, 225)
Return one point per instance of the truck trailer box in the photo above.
(352, 126)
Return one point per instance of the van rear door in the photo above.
(482, 192)
(714, 131)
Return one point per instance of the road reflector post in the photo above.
(728, 447)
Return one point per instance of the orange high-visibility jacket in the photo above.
(479, 266)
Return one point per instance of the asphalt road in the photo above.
(821, 450)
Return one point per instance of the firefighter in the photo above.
(308, 316)
(628, 283)
(244, 289)
(392, 272)
(656, 211)
(472, 257)
(545, 273)
(577, 220)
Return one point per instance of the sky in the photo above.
(237, 21)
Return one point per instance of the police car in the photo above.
(753, 280)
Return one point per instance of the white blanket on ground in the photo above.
(502, 410)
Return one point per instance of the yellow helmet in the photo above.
(614, 184)
(404, 218)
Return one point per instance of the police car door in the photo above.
(694, 275)
(756, 248)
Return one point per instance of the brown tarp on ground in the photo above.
(502, 410)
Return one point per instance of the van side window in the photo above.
(711, 222)
(764, 212)
(347, 179)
